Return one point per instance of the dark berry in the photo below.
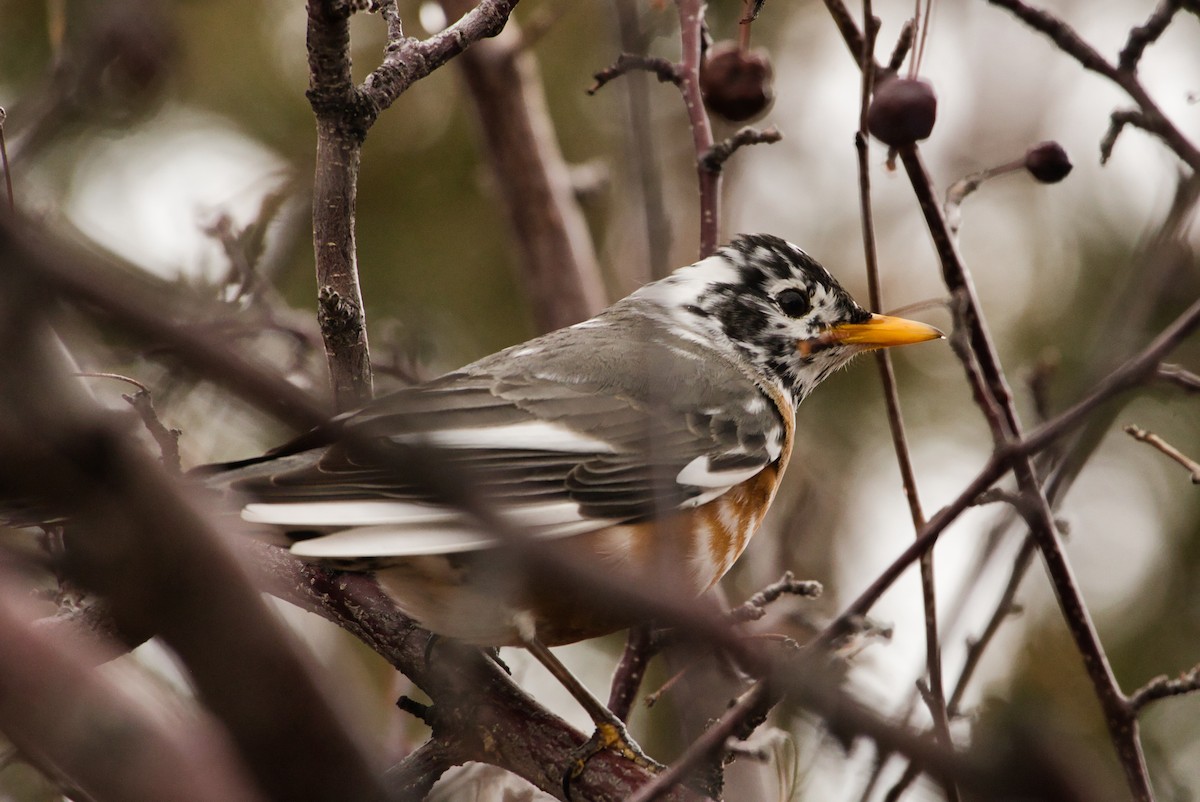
(1048, 162)
(736, 84)
(902, 111)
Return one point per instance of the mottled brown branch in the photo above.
(408, 60)
(344, 113)
(488, 717)
(1152, 439)
(414, 776)
(342, 119)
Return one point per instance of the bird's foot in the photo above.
(610, 734)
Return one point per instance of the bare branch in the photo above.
(691, 26)
(631, 670)
(719, 153)
(755, 607)
(408, 60)
(1067, 40)
(1162, 687)
(1117, 122)
(1146, 34)
(667, 71)
(344, 113)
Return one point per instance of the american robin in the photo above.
(647, 441)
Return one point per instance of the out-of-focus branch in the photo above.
(344, 113)
(137, 541)
(1179, 377)
(71, 721)
(557, 260)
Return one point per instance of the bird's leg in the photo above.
(610, 731)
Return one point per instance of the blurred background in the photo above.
(173, 124)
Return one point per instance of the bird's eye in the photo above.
(793, 302)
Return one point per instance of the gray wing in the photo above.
(565, 434)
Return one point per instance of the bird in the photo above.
(645, 443)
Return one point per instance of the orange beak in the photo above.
(880, 331)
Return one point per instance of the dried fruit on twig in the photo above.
(1048, 162)
(736, 83)
(902, 110)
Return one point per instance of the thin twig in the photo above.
(752, 703)
(1152, 439)
(1005, 609)
(4, 165)
(1146, 34)
(963, 187)
(691, 27)
(1117, 122)
(719, 153)
(1162, 687)
(166, 439)
(755, 607)
(668, 72)
(883, 360)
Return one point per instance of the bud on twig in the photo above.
(1048, 162)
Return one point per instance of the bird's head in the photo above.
(775, 305)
